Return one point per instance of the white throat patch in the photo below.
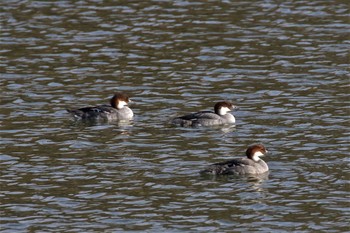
(224, 110)
(121, 104)
(256, 156)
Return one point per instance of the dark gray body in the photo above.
(240, 166)
(103, 112)
(205, 118)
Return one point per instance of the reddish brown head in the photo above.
(119, 100)
(221, 108)
(255, 151)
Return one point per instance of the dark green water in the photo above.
(284, 64)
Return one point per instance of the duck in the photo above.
(252, 164)
(118, 110)
(220, 116)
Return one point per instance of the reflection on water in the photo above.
(255, 179)
(284, 64)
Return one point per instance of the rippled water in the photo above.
(284, 64)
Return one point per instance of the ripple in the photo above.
(285, 72)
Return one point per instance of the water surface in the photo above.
(284, 64)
